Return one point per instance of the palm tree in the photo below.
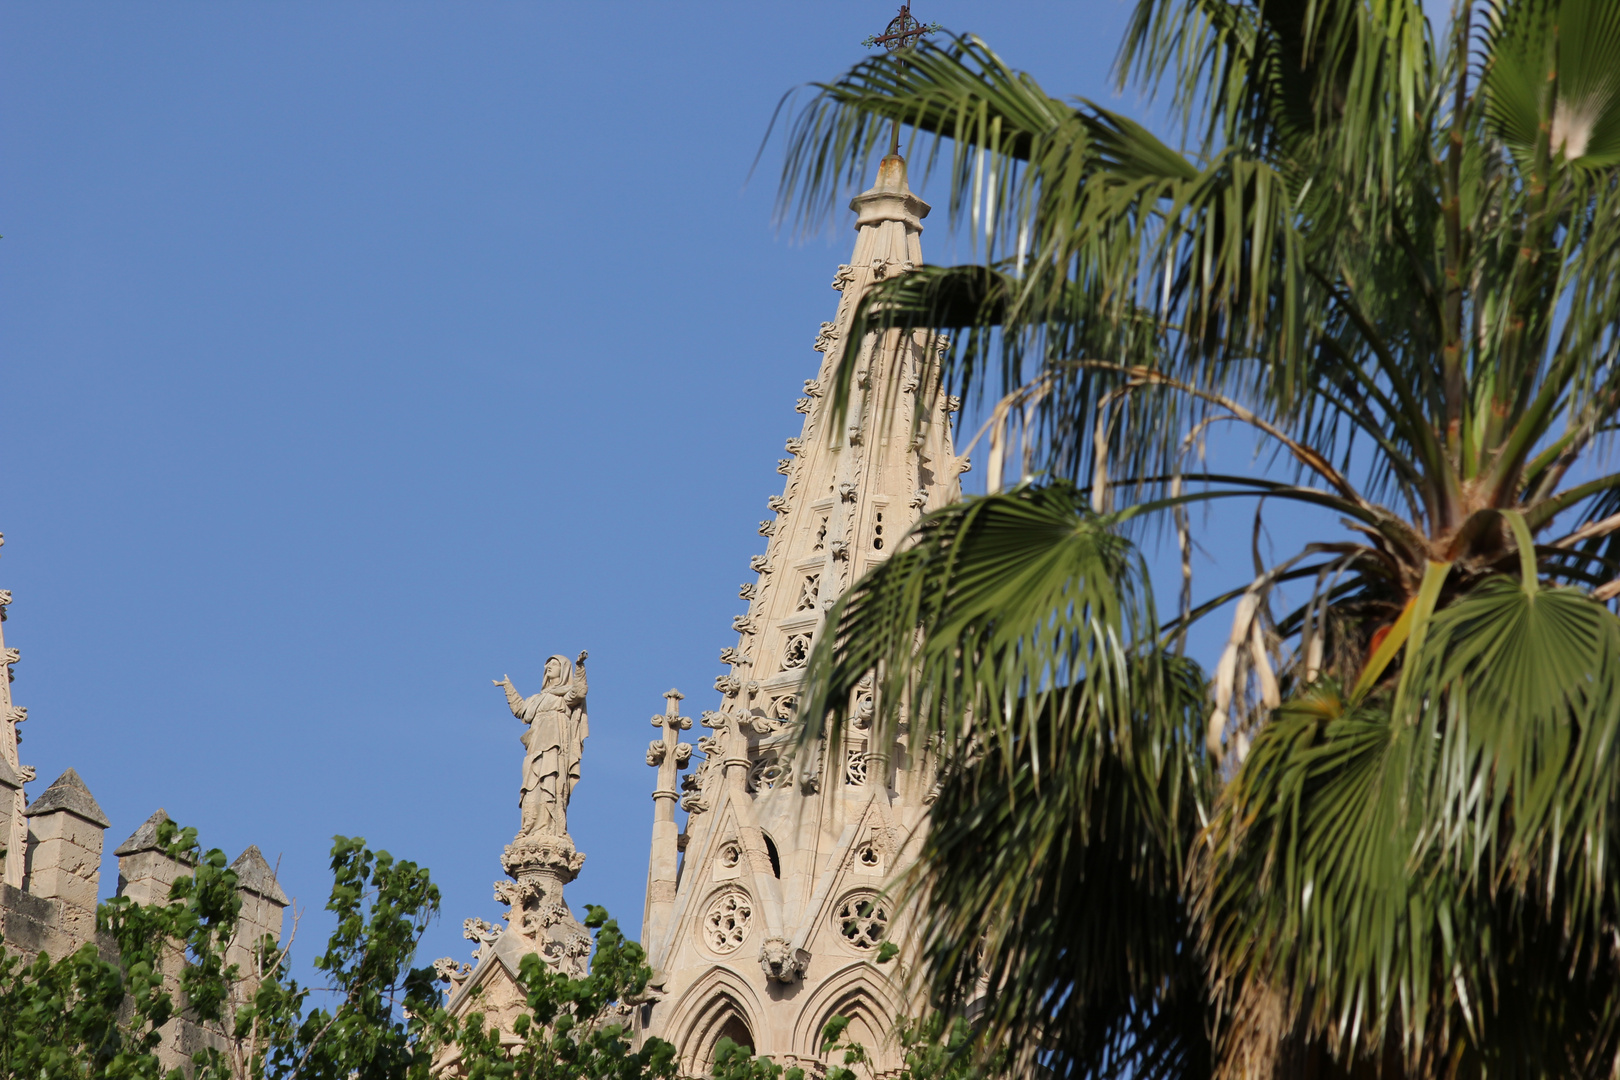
(1376, 838)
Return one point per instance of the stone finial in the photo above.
(64, 852)
(262, 898)
(69, 793)
(145, 871)
(254, 875)
(144, 838)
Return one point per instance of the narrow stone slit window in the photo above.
(776, 860)
(877, 532)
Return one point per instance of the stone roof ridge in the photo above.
(69, 793)
(145, 837)
(254, 875)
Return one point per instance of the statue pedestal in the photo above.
(540, 865)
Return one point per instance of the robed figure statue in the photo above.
(552, 745)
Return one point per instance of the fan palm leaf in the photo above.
(1393, 258)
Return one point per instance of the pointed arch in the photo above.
(718, 1005)
(864, 995)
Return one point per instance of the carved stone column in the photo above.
(540, 866)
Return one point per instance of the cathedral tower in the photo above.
(763, 918)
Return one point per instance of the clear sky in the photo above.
(355, 354)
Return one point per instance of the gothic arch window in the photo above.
(717, 1005)
(859, 994)
(736, 1029)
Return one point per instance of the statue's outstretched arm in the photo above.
(513, 699)
(576, 692)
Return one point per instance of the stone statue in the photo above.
(553, 743)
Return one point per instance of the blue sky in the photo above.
(357, 354)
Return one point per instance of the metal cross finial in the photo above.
(899, 37)
(902, 32)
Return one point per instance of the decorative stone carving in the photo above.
(827, 338)
(784, 708)
(843, 277)
(953, 403)
(555, 854)
(812, 388)
(865, 706)
(863, 920)
(743, 624)
(794, 446)
(803, 405)
(769, 772)
(784, 465)
(657, 751)
(734, 657)
(726, 923)
(728, 685)
(796, 652)
(766, 528)
(854, 767)
(448, 971)
(760, 564)
(482, 934)
(809, 592)
(558, 727)
(781, 961)
(840, 549)
(847, 491)
(696, 784)
(747, 590)
(919, 499)
(778, 503)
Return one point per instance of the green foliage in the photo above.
(92, 1016)
(573, 1027)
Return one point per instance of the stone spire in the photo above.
(850, 494)
(777, 907)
